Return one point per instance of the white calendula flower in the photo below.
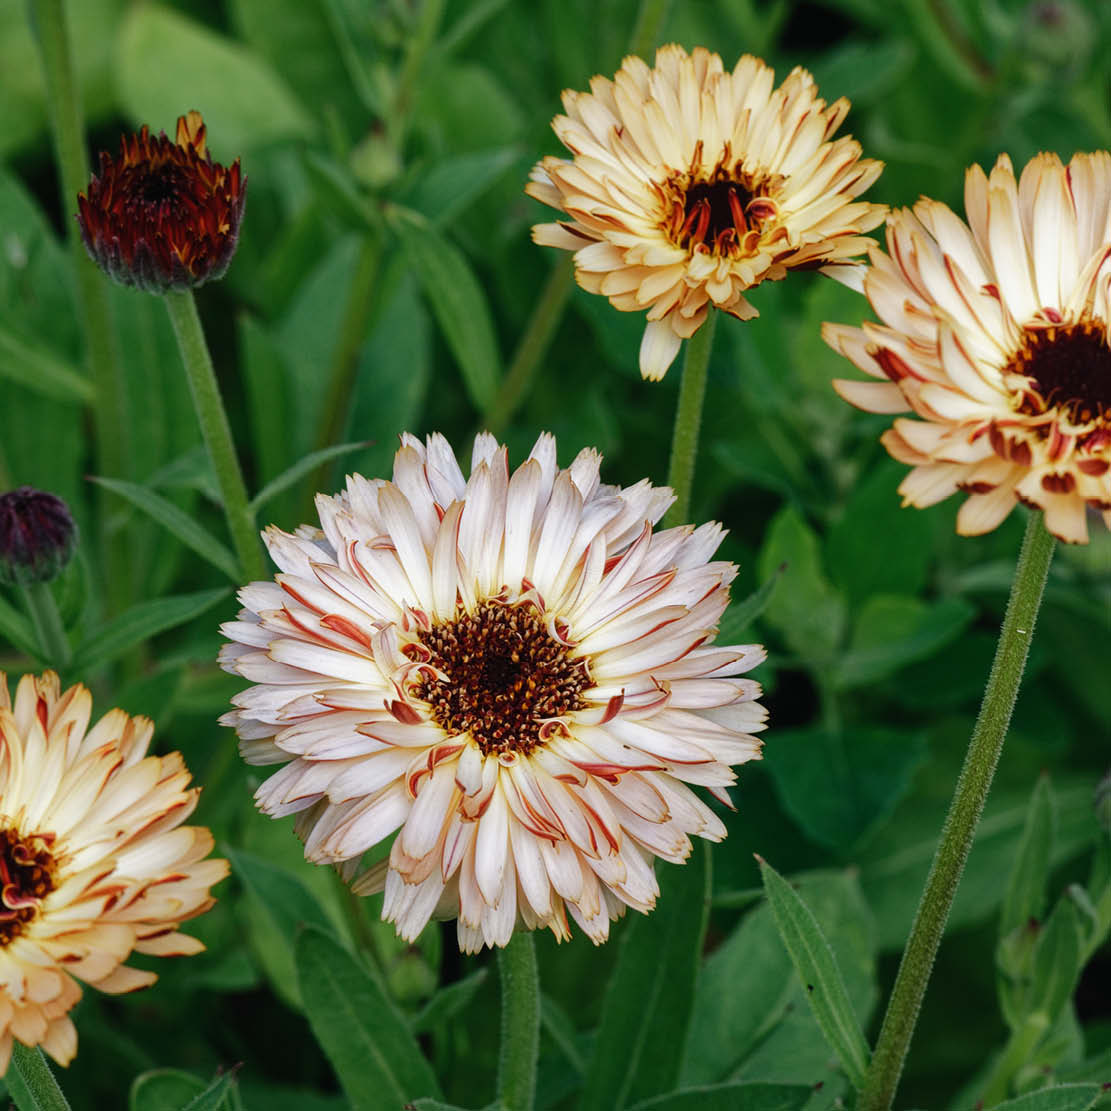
(512, 673)
(997, 334)
(95, 862)
(690, 185)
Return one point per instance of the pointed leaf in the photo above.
(1057, 960)
(732, 1097)
(647, 1007)
(1025, 898)
(452, 184)
(177, 522)
(817, 968)
(458, 302)
(216, 1097)
(376, 1059)
(140, 623)
(741, 614)
(448, 1002)
(164, 1090)
(1062, 1097)
(305, 465)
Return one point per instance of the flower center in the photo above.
(1069, 368)
(506, 676)
(160, 186)
(27, 875)
(724, 213)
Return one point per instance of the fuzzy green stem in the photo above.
(646, 32)
(110, 413)
(49, 630)
(964, 814)
(520, 1024)
(216, 431)
(30, 1082)
(688, 420)
(541, 328)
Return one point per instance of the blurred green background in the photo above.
(880, 628)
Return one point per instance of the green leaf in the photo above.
(457, 301)
(839, 787)
(427, 1104)
(164, 1090)
(40, 369)
(732, 1097)
(141, 622)
(817, 968)
(177, 522)
(16, 628)
(216, 1096)
(647, 1007)
(1063, 1097)
(1057, 961)
(451, 185)
(302, 467)
(556, 1023)
(245, 104)
(740, 615)
(1025, 898)
(376, 1059)
(892, 631)
(448, 1002)
(804, 607)
(340, 192)
(267, 382)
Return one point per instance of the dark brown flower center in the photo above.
(1070, 370)
(27, 876)
(506, 676)
(163, 184)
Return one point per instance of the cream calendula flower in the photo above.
(690, 185)
(511, 672)
(94, 860)
(997, 334)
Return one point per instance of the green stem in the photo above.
(520, 1024)
(964, 814)
(216, 430)
(688, 420)
(541, 327)
(646, 32)
(49, 630)
(30, 1082)
(110, 414)
(1015, 1055)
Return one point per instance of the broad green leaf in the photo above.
(817, 968)
(1025, 896)
(448, 1002)
(141, 622)
(732, 1097)
(178, 522)
(808, 613)
(892, 631)
(1096, 1068)
(164, 1090)
(648, 1003)
(1063, 1097)
(302, 467)
(450, 185)
(17, 630)
(280, 905)
(38, 368)
(375, 1057)
(740, 615)
(164, 55)
(839, 787)
(457, 301)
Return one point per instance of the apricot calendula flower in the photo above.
(690, 185)
(163, 215)
(512, 672)
(94, 860)
(997, 334)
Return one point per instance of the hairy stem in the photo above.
(520, 1023)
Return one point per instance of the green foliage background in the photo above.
(881, 623)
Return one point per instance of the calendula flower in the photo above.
(163, 215)
(37, 536)
(94, 860)
(690, 185)
(996, 334)
(511, 672)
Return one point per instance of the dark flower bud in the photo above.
(37, 536)
(163, 215)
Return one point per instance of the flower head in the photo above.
(163, 215)
(997, 334)
(690, 185)
(37, 536)
(94, 860)
(512, 672)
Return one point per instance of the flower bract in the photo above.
(511, 672)
(689, 185)
(163, 215)
(997, 334)
(95, 862)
